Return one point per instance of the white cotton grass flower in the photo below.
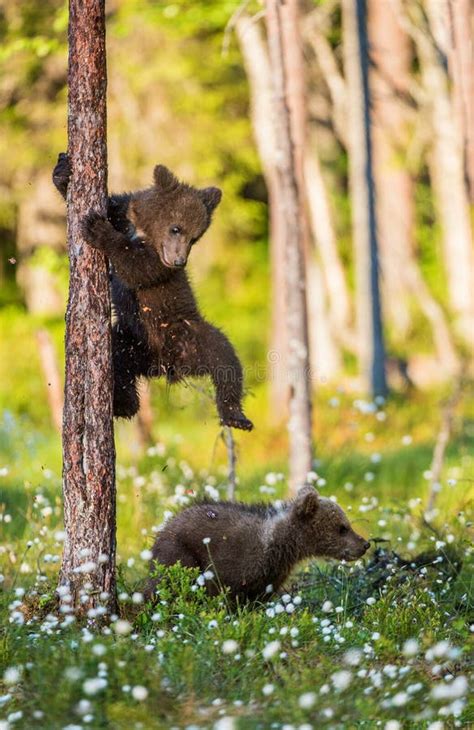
(93, 686)
(146, 555)
(452, 691)
(137, 597)
(225, 723)
(400, 699)
(122, 627)
(268, 689)
(410, 648)
(99, 649)
(271, 649)
(307, 700)
(230, 646)
(353, 657)
(139, 693)
(341, 680)
(392, 725)
(327, 607)
(12, 675)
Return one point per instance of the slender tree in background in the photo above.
(88, 567)
(257, 66)
(323, 347)
(430, 29)
(299, 426)
(324, 352)
(461, 65)
(371, 347)
(391, 56)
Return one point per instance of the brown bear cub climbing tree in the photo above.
(158, 330)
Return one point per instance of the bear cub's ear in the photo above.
(211, 197)
(164, 179)
(306, 502)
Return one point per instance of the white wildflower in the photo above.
(93, 686)
(341, 680)
(453, 690)
(307, 700)
(12, 675)
(139, 693)
(122, 627)
(230, 646)
(271, 649)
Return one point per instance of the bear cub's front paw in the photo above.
(96, 230)
(62, 174)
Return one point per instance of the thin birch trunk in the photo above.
(88, 566)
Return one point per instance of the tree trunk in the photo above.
(145, 416)
(447, 168)
(461, 66)
(257, 66)
(255, 56)
(324, 354)
(368, 308)
(51, 376)
(391, 54)
(88, 567)
(324, 235)
(299, 426)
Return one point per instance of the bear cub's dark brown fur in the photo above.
(251, 549)
(158, 329)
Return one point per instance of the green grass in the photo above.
(342, 659)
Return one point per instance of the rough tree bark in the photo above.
(88, 567)
(299, 425)
(368, 307)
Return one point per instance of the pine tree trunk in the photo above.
(88, 567)
(299, 426)
(368, 307)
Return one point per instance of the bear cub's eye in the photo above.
(343, 529)
(175, 230)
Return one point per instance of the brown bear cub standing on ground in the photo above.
(251, 549)
(158, 329)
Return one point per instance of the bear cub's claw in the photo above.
(237, 420)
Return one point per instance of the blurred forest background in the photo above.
(190, 87)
